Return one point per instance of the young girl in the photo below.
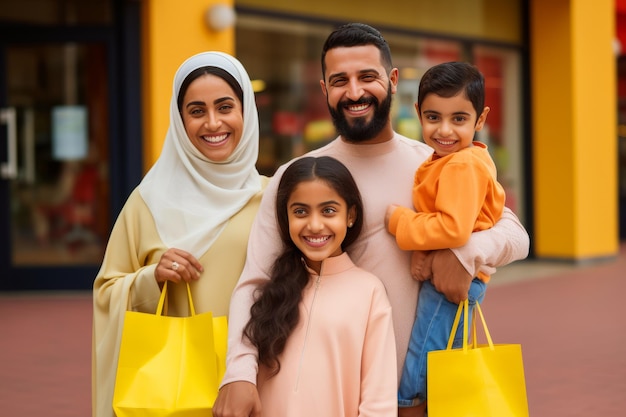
(322, 326)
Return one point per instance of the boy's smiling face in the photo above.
(449, 123)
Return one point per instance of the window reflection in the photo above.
(294, 116)
(57, 12)
(59, 199)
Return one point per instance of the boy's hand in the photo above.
(388, 214)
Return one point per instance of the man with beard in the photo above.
(359, 82)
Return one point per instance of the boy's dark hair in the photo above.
(275, 313)
(451, 78)
(357, 34)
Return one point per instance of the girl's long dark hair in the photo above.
(275, 313)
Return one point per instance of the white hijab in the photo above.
(191, 197)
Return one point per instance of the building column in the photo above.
(574, 133)
(172, 31)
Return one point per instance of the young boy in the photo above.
(455, 193)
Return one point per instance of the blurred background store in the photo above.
(85, 88)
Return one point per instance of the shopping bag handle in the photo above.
(159, 311)
(463, 308)
(474, 335)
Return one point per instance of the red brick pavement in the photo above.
(569, 325)
(572, 335)
(45, 355)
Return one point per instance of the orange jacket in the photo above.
(454, 195)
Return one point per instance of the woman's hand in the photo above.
(176, 265)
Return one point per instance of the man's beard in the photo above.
(361, 130)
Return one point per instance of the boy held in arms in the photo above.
(455, 193)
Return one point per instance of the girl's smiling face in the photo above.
(318, 219)
(213, 117)
(449, 123)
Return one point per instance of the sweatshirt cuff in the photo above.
(394, 220)
(146, 292)
(244, 369)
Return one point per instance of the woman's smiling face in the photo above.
(213, 117)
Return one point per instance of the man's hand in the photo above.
(418, 261)
(447, 275)
(237, 399)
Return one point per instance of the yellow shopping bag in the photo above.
(169, 366)
(476, 380)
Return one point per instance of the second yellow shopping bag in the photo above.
(169, 366)
(476, 380)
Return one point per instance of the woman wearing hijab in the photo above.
(189, 218)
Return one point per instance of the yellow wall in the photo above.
(172, 31)
(485, 19)
(572, 99)
(574, 129)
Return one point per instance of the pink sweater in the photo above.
(340, 358)
(384, 173)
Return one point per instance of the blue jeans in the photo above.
(431, 330)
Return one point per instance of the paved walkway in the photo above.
(45, 355)
(567, 319)
(572, 334)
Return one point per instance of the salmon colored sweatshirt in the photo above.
(454, 195)
(384, 173)
(340, 360)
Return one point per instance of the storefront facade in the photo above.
(117, 66)
(283, 50)
(70, 138)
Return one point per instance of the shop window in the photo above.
(503, 131)
(294, 116)
(57, 12)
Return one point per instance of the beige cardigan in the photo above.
(126, 280)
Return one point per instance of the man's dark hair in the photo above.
(357, 34)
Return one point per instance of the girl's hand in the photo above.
(237, 399)
(176, 265)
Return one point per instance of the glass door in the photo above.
(54, 163)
